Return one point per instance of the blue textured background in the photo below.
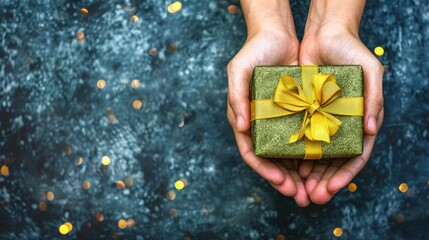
(52, 112)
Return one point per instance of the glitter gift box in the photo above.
(317, 112)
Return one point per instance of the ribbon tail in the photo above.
(313, 150)
(296, 136)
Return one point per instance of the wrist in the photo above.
(268, 15)
(336, 16)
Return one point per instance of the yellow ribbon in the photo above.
(318, 97)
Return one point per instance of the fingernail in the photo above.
(240, 123)
(372, 125)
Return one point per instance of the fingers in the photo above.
(320, 193)
(351, 167)
(373, 82)
(305, 168)
(300, 195)
(238, 95)
(316, 175)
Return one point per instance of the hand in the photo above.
(271, 41)
(330, 44)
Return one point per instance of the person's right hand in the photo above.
(268, 43)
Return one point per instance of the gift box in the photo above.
(307, 112)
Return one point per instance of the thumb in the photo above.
(238, 95)
(373, 73)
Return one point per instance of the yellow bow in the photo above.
(318, 98)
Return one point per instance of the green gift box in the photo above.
(306, 112)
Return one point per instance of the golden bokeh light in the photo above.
(42, 206)
(180, 184)
(174, 7)
(86, 185)
(128, 182)
(338, 232)
(153, 51)
(68, 150)
(69, 226)
(63, 229)
(99, 217)
(131, 223)
(280, 237)
(120, 185)
(134, 18)
(105, 160)
(84, 11)
(137, 104)
(135, 83)
(379, 51)
(50, 196)
(122, 224)
(79, 161)
(400, 218)
(171, 195)
(352, 187)
(4, 170)
(403, 187)
(101, 84)
(80, 36)
(232, 9)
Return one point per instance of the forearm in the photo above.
(273, 15)
(344, 14)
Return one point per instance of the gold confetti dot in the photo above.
(79, 161)
(153, 51)
(338, 232)
(122, 224)
(179, 184)
(80, 36)
(128, 182)
(68, 150)
(69, 226)
(134, 18)
(135, 83)
(352, 187)
(131, 223)
(42, 206)
(171, 195)
(99, 217)
(4, 170)
(86, 185)
(137, 104)
(399, 218)
(280, 237)
(379, 51)
(120, 185)
(84, 11)
(173, 212)
(50, 196)
(232, 9)
(403, 187)
(63, 229)
(105, 160)
(101, 84)
(174, 7)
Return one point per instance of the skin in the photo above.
(329, 39)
